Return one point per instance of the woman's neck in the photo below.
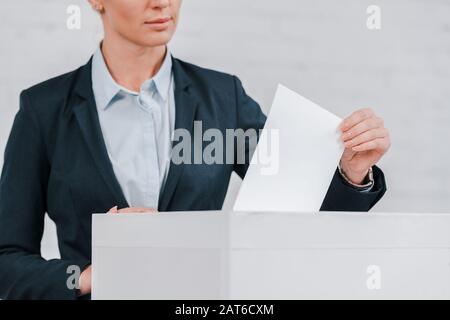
(130, 64)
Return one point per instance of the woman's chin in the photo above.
(155, 39)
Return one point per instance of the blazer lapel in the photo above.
(186, 103)
(86, 114)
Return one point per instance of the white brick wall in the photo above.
(320, 48)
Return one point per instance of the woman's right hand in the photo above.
(131, 210)
(85, 281)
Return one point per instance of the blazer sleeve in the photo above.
(24, 274)
(340, 196)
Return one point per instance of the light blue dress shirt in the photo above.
(138, 129)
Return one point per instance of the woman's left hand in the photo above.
(366, 140)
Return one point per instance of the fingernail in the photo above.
(113, 210)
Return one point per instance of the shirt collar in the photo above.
(163, 77)
(106, 88)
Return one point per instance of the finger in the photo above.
(113, 210)
(348, 154)
(355, 118)
(380, 143)
(363, 126)
(366, 137)
(136, 210)
(130, 210)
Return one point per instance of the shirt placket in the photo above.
(151, 149)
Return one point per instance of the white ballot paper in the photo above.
(295, 159)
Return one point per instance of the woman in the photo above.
(100, 137)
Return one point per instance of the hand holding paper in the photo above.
(366, 140)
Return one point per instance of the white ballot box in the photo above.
(228, 255)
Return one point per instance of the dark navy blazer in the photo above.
(56, 162)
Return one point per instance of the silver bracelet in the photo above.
(358, 186)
